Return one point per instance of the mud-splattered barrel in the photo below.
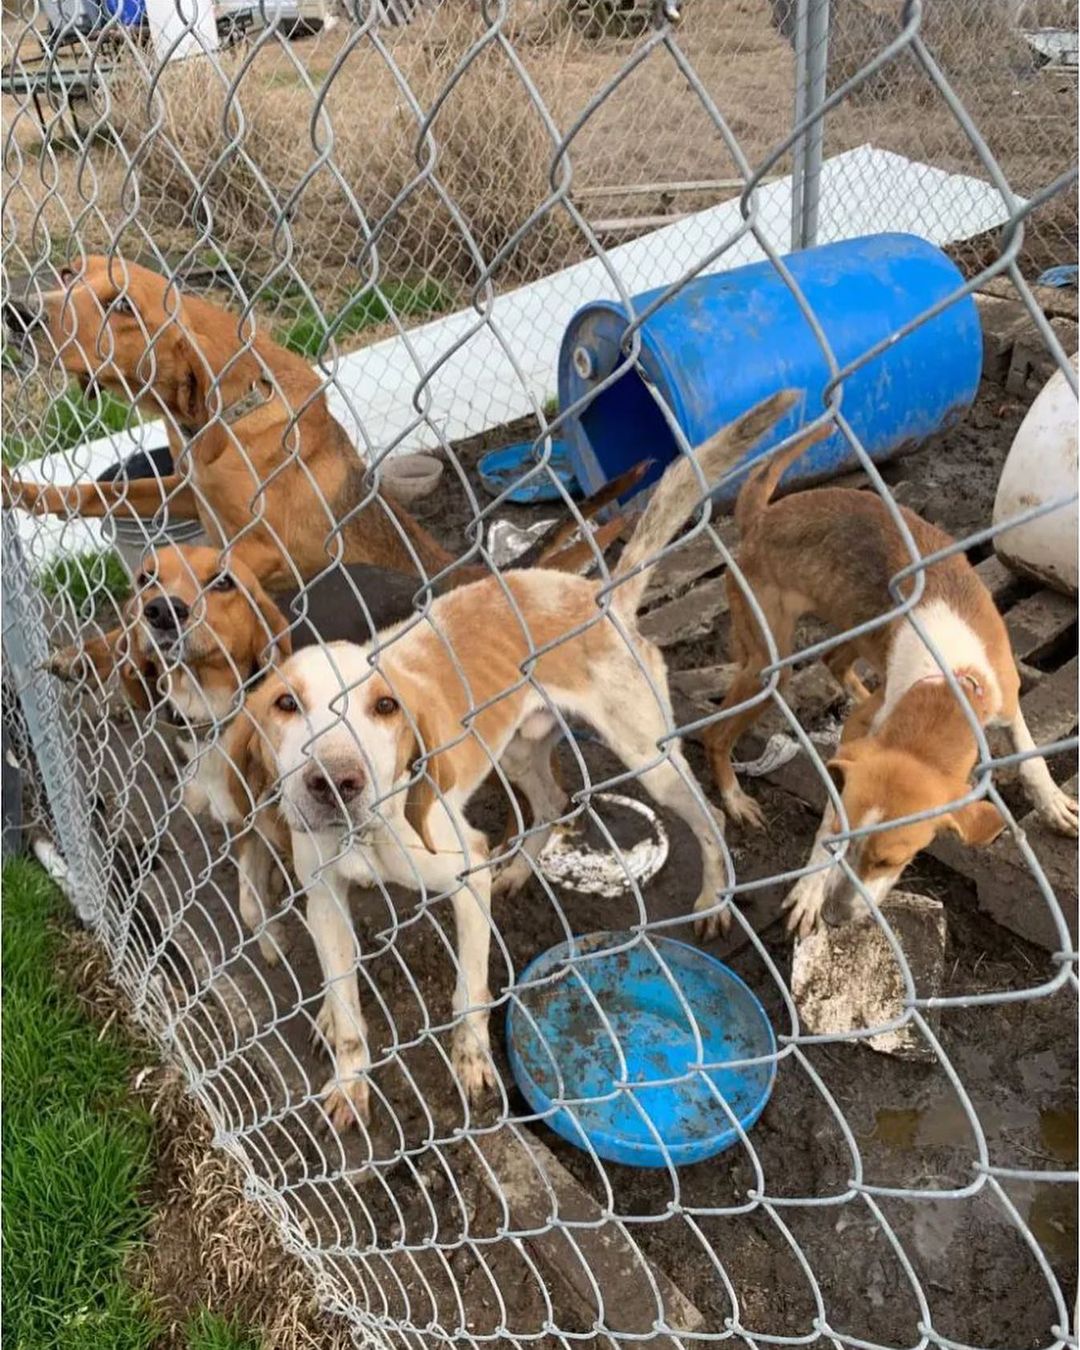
(726, 342)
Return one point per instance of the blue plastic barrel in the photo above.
(130, 12)
(726, 342)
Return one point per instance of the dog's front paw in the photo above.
(1061, 813)
(272, 943)
(742, 809)
(67, 663)
(472, 1063)
(804, 904)
(717, 922)
(511, 879)
(346, 1098)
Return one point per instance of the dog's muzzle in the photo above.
(331, 792)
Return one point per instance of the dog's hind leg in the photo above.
(752, 653)
(633, 724)
(529, 766)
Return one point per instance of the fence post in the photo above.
(48, 726)
(811, 71)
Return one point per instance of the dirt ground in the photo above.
(404, 1214)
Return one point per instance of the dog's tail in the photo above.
(679, 491)
(759, 487)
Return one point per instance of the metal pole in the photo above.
(798, 150)
(811, 74)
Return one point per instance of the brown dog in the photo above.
(261, 461)
(909, 747)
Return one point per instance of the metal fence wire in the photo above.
(280, 258)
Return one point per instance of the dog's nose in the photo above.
(166, 614)
(19, 318)
(330, 787)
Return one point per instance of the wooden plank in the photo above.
(683, 566)
(1032, 363)
(1036, 623)
(692, 615)
(624, 224)
(1050, 710)
(705, 682)
(581, 1250)
(653, 189)
(1003, 323)
(1054, 301)
(1007, 889)
(997, 578)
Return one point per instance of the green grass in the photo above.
(308, 333)
(76, 1149)
(70, 420)
(86, 579)
(211, 1331)
(77, 1156)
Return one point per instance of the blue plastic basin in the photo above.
(501, 469)
(726, 342)
(614, 1007)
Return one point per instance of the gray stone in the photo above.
(847, 978)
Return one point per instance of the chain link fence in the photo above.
(371, 229)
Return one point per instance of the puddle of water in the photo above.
(1052, 1218)
(1058, 1130)
(945, 1123)
(1048, 1208)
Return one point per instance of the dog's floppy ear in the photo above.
(280, 637)
(838, 770)
(247, 750)
(977, 823)
(438, 774)
(191, 379)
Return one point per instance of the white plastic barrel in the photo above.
(1042, 466)
(180, 28)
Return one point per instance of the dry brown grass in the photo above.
(244, 163)
(296, 185)
(208, 1245)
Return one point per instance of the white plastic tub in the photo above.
(1042, 466)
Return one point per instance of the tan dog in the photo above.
(372, 754)
(909, 747)
(260, 460)
(197, 636)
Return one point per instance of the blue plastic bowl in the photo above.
(500, 469)
(561, 1048)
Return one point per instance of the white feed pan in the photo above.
(1040, 467)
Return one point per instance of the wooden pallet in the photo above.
(1041, 626)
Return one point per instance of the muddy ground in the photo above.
(404, 1215)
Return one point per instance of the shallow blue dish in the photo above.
(500, 469)
(561, 1048)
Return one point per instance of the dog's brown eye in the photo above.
(67, 275)
(386, 705)
(224, 582)
(286, 703)
(122, 305)
(142, 581)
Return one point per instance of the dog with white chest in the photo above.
(372, 754)
(909, 748)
